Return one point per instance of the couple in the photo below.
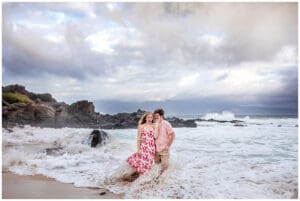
(153, 144)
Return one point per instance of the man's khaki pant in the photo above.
(163, 157)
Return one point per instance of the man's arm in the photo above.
(171, 134)
(171, 139)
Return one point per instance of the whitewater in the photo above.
(214, 160)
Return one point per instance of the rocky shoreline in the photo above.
(43, 110)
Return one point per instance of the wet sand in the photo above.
(39, 186)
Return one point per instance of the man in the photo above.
(164, 138)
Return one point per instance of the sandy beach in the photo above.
(38, 186)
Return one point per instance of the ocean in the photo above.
(213, 160)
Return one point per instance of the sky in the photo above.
(188, 58)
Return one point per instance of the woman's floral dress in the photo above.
(143, 161)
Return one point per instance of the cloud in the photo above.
(153, 51)
(248, 31)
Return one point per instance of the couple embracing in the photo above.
(153, 144)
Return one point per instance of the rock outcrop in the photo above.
(176, 122)
(98, 137)
(220, 121)
(45, 97)
(120, 120)
(45, 111)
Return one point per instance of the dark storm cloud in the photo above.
(27, 53)
(247, 31)
(244, 53)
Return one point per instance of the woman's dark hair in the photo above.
(159, 111)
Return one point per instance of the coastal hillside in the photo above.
(21, 107)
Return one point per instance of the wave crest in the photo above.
(225, 115)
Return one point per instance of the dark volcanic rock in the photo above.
(14, 88)
(42, 97)
(130, 120)
(5, 103)
(80, 114)
(30, 113)
(239, 125)
(120, 120)
(176, 122)
(46, 97)
(98, 137)
(46, 112)
(47, 115)
(82, 107)
(220, 121)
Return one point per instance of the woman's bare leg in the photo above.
(128, 173)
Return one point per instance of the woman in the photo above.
(141, 161)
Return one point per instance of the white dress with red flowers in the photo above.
(142, 162)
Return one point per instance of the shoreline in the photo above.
(16, 186)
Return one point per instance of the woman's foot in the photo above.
(134, 176)
(130, 177)
(126, 177)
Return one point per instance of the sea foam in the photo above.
(217, 161)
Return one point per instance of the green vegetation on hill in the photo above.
(16, 98)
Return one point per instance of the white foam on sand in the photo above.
(216, 161)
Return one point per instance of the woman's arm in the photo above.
(139, 139)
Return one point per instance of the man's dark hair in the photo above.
(159, 111)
